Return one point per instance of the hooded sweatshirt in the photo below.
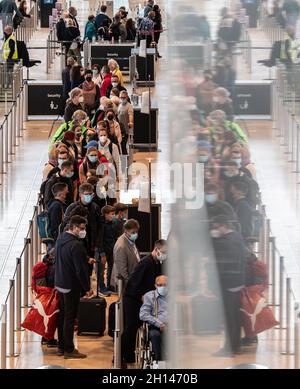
(71, 266)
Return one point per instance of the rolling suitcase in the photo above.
(206, 315)
(92, 314)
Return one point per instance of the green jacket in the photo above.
(235, 128)
(58, 136)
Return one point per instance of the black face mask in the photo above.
(89, 78)
(110, 117)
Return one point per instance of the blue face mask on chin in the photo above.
(162, 291)
(88, 198)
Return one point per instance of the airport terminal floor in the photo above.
(165, 233)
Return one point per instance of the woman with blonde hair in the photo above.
(52, 161)
(115, 70)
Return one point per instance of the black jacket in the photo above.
(56, 210)
(65, 75)
(70, 109)
(142, 279)
(244, 215)
(109, 236)
(230, 254)
(94, 229)
(227, 108)
(109, 89)
(71, 266)
(253, 189)
(54, 180)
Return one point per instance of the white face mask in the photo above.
(95, 72)
(103, 139)
(161, 256)
(114, 84)
(82, 234)
(215, 233)
(80, 99)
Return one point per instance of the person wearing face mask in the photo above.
(71, 278)
(86, 207)
(231, 174)
(126, 118)
(74, 103)
(56, 210)
(66, 80)
(242, 208)
(115, 134)
(64, 175)
(146, 28)
(115, 84)
(91, 161)
(106, 80)
(154, 312)
(222, 101)
(79, 118)
(52, 161)
(121, 216)
(80, 143)
(69, 141)
(217, 119)
(90, 92)
(140, 282)
(216, 207)
(76, 76)
(111, 152)
(96, 74)
(230, 257)
(90, 30)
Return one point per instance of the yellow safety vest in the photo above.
(293, 49)
(6, 49)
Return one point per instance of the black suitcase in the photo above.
(111, 319)
(206, 315)
(91, 316)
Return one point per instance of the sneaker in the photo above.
(60, 352)
(249, 341)
(104, 293)
(44, 341)
(75, 354)
(52, 343)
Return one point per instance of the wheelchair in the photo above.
(143, 350)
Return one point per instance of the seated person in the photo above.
(154, 312)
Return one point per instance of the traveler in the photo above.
(115, 134)
(76, 76)
(80, 142)
(148, 8)
(109, 238)
(115, 70)
(56, 209)
(7, 8)
(252, 7)
(117, 30)
(66, 80)
(74, 103)
(229, 32)
(17, 20)
(90, 30)
(225, 75)
(64, 175)
(126, 118)
(96, 74)
(215, 206)
(146, 28)
(121, 216)
(205, 92)
(52, 161)
(91, 161)
(111, 152)
(242, 208)
(230, 256)
(71, 278)
(72, 35)
(102, 16)
(106, 80)
(291, 9)
(154, 312)
(130, 30)
(79, 117)
(90, 93)
(126, 254)
(223, 102)
(158, 27)
(115, 84)
(86, 208)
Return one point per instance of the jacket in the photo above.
(142, 279)
(147, 9)
(109, 237)
(114, 158)
(105, 84)
(54, 180)
(56, 210)
(59, 134)
(92, 213)
(90, 31)
(71, 266)
(100, 19)
(66, 81)
(244, 214)
(9, 7)
(125, 260)
(230, 255)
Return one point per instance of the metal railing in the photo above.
(119, 326)
(12, 126)
(28, 26)
(270, 26)
(18, 296)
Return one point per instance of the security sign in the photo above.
(44, 98)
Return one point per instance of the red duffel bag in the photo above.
(42, 316)
(256, 315)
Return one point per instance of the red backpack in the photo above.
(38, 279)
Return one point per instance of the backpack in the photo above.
(60, 29)
(43, 225)
(38, 278)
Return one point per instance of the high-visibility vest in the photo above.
(6, 49)
(293, 49)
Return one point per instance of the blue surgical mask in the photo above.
(211, 198)
(238, 162)
(228, 174)
(88, 198)
(70, 175)
(93, 158)
(133, 237)
(162, 291)
(60, 162)
(203, 158)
